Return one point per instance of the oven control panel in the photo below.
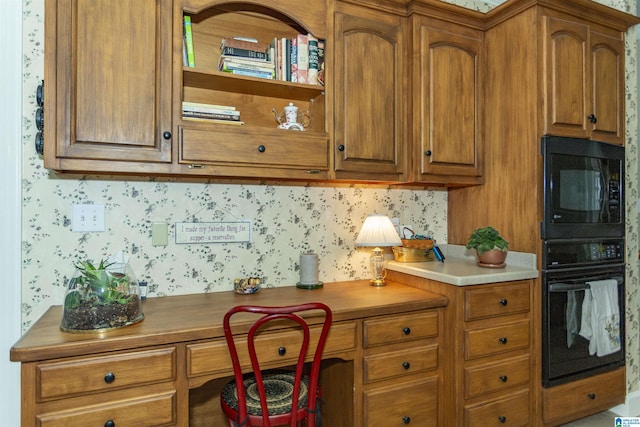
(578, 252)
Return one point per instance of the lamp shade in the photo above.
(378, 230)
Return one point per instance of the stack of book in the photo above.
(246, 57)
(211, 113)
(299, 59)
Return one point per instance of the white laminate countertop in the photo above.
(459, 268)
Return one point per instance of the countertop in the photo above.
(459, 268)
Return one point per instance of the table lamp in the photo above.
(378, 231)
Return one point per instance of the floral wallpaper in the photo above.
(286, 220)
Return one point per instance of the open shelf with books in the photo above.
(218, 30)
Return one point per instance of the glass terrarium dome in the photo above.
(101, 297)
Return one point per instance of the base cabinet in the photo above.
(584, 397)
(489, 358)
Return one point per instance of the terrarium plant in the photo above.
(490, 246)
(101, 297)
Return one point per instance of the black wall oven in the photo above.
(583, 188)
(576, 343)
(583, 269)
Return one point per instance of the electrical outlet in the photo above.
(159, 234)
(87, 218)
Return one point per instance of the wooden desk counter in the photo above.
(62, 373)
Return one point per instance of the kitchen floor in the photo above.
(602, 419)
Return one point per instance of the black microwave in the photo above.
(583, 188)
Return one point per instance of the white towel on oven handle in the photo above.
(601, 317)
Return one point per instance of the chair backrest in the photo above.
(274, 314)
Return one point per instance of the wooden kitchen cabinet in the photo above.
(122, 388)
(107, 84)
(401, 362)
(488, 368)
(369, 110)
(257, 148)
(447, 95)
(583, 80)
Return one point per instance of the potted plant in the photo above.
(490, 247)
(101, 297)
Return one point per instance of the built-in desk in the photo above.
(381, 355)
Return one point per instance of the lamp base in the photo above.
(378, 282)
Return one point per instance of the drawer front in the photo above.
(503, 338)
(213, 357)
(101, 373)
(147, 411)
(400, 363)
(306, 151)
(494, 301)
(400, 328)
(585, 396)
(496, 376)
(412, 403)
(512, 411)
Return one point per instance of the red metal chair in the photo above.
(266, 398)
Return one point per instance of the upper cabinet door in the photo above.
(567, 78)
(108, 83)
(584, 82)
(607, 69)
(447, 102)
(369, 110)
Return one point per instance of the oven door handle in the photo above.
(566, 287)
(579, 286)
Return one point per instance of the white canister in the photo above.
(309, 269)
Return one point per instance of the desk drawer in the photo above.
(400, 363)
(413, 402)
(503, 338)
(485, 302)
(147, 411)
(512, 411)
(101, 373)
(213, 357)
(496, 376)
(407, 327)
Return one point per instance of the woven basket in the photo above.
(415, 243)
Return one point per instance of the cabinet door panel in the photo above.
(447, 100)
(108, 84)
(607, 67)
(369, 108)
(567, 78)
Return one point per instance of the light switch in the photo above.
(159, 234)
(87, 218)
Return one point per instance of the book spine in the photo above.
(313, 60)
(294, 60)
(244, 53)
(207, 115)
(247, 62)
(208, 120)
(303, 58)
(321, 62)
(207, 106)
(230, 66)
(252, 73)
(243, 43)
(188, 38)
(189, 108)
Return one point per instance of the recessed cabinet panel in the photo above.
(447, 102)
(369, 105)
(108, 82)
(607, 67)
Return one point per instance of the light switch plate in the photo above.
(87, 218)
(159, 234)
